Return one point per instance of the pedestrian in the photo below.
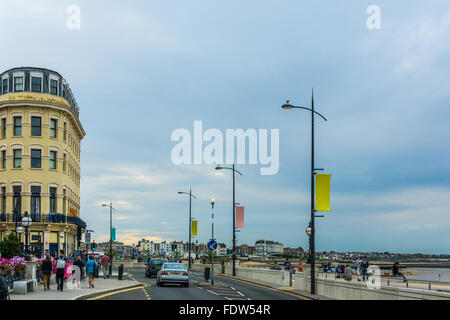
(105, 262)
(348, 273)
(47, 271)
(396, 271)
(79, 263)
(61, 262)
(300, 267)
(91, 265)
(358, 268)
(287, 264)
(84, 259)
(365, 268)
(4, 292)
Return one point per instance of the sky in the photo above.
(142, 69)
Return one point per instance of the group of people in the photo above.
(86, 265)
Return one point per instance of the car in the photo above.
(172, 272)
(153, 267)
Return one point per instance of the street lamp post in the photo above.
(234, 215)
(26, 222)
(288, 106)
(212, 239)
(110, 232)
(190, 219)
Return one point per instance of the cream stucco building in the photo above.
(40, 144)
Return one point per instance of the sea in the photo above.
(428, 274)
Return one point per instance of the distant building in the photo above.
(268, 247)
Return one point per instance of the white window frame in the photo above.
(36, 75)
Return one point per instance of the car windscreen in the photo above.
(177, 266)
(158, 261)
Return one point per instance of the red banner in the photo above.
(239, 217)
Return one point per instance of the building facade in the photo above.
(268, 247)
(40, 145)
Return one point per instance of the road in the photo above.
(232, 290)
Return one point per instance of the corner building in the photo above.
(40, 143)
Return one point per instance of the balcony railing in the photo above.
(44, 218)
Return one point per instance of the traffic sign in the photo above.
(212, 245)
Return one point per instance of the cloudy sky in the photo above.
(141, 69)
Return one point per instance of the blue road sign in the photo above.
(212, 245)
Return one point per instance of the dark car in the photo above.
(154, 266)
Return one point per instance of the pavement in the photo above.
(101, 286)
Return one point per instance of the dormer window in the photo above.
(5, 86)
(18, 84)
(54, 87)
(36, 84)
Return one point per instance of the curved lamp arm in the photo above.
(219, 168)
(289, 106)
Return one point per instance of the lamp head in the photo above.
(213, 201)
(287, 105)
(308, 231)
(218, 168)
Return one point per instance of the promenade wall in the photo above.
(331, 288)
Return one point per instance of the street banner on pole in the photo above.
(113, 234)
(323, 192)
(194, 228)
(240, 217)
(87, 238)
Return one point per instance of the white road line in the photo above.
(228, 298)
(232, 288)
(212, 292)
(249, 299)
(240, 293)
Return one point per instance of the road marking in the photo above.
(116, 292)
(228, 298)
(240, 293)
(212, 292)
(298, 296)
(232, 288)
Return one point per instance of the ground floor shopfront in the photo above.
(47, 237)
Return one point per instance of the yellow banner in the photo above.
(194, 227)
(323, 192)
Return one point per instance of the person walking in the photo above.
(358, 268)
(61, 262)
(365, 268)
(47, 268)
(4, 292)
(79, 263)
(91, 265)
(105, 262)
(84, 260)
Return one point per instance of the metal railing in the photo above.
(390, 280)
(44, 218)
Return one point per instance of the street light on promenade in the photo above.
(26, 222)
(190, 219)
(110, 232)
(212, 239)
(288, 106)
(234, 215)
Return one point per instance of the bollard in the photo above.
(96, 272)
(207, 272)
(121, 272)
(429, 285)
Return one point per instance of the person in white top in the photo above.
(358, 268)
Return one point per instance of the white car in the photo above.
(172, 272)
